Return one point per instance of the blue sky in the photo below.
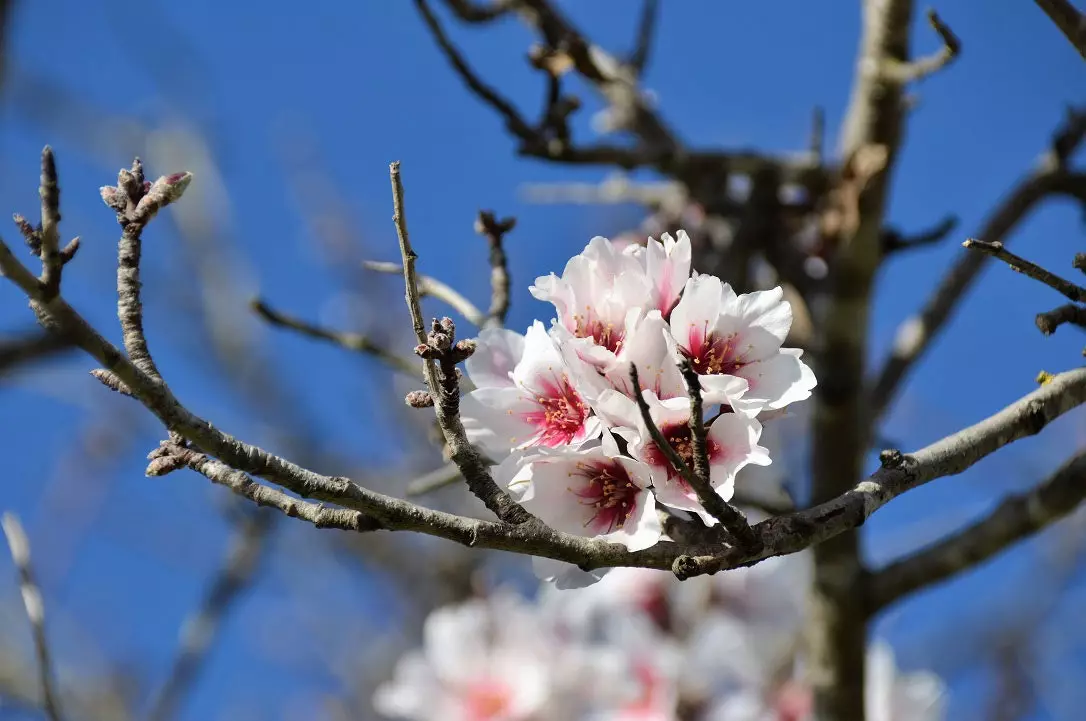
(345, 87)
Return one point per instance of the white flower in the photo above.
(527, 402)
(485, 660)
(594, 492)
(667, 267)
(731, 442)
(726, 336)
(598, 298)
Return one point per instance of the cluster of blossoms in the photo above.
(556, 407)
(638, 646)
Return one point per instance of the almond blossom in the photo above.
(725, 335)
(731, 442)
(481, 661)
(529, 402)
(594, 492)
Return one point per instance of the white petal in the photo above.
(498, 351)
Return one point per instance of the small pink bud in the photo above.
(419, 399)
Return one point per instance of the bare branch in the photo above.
(494, 231)
(136, 202)
(514, 121)
(35, 611)
(351, 341)
(1070, 21)
(915, 335)
(51, 261)
(1025, 267)
(199, 630)
(437, 479)
(440, 355)
(434, 288)
(1048, 322)
(30, 347)
(908, 72)
(894, 241)
(1015, 519)
(646, 29)
(472, 12)
(903, 472)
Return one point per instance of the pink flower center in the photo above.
(560, 413)
(712, 355)
(679, 437)
(487, 699)
(609, 491)
(794, 702)
(604, 333)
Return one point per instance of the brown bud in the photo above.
(463, 350)
(164, 465)
(419, 399)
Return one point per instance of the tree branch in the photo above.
(1048, 322)
(494, 231)
(894, 241)
(35, 606)
(912, 71)
(646, 29)
(1025, 267)
(30, 347)
(1069, 20)
(434, 288)
(915, 335)
(1015, 519)
(351, 341)
(835, 630)
(442, 378)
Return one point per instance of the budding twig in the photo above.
(440, 353)
(35, 611)
(1020, 264)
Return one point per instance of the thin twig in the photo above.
(35, 612)
(908, 72)
(51, 261)
(915, 335)
(1016, 518)
(200, 629)
(894, 241)
(646, 29)
(443, 380)
(1048, 322)
(494, 231)
(1070, 21)
(435, 480)
(356, 342)
(729, 516)
(1025, 267)
(434, 288)
(514, 121)
(30, 347)
(660, 441)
